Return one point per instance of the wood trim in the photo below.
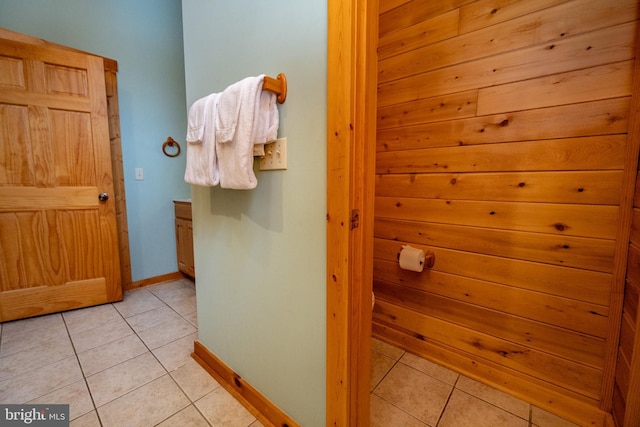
(608, 420)
(113, 112)
(622, 251)
(351, 120)
(155, 280)
(255, 402)
(632, 410)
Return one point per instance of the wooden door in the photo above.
(58, 239)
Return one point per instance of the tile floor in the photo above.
(129, 364)
(408, 391)
(122, 364)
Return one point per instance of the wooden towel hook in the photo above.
(170, 142)
(277, 86)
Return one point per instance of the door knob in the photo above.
(103, 197)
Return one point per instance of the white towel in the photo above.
(202, 164)
(237, 130)
(195, 130)
(267, 122)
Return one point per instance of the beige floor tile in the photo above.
(495, 397)
(166, 332)
(136, 302)
(38, 382)
(192, 318)
(145, 406)
(87, 420)
(32, 324)
(15, 343)
(107, 355)
(387, 349)
(90, 318)
(194, 381)
(151, 318)
(118, 380)
(35, 357)
(189, 416)
(165, 290)
(380, 365)
(76, 395)
(176, 353)
(384, 414)
(414, 392)
(432, 369)
(184, 305)
(104, 334)
(542, 418)
(464, 410)
(221, 409)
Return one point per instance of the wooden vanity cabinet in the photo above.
(184, 238)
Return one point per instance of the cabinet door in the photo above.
(189, 257)
(184, 246)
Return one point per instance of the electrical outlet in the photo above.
(275, 156)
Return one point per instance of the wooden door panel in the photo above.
(73, 156)
(39, 300)
(49, 248)
(58, 242)
(66, 80)
(15, 152)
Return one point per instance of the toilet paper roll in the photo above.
(411, 258)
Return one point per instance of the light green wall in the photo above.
(145, 37)
(260, 254)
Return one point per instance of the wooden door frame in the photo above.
(351, 118)
(351, 128)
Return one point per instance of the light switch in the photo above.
(275, 156)
(139, 174)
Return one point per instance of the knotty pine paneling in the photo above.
(598, 187)
(578, 52)
(586, 153)
(609, 117)
(606, 81)
(467, 308)
(501, 147)
(584, 285)
(413, 12)
(587, 254)
(524, 42)
(387, 5)
(485, 13)
(595, 221)
(574, 376)
(426, 32)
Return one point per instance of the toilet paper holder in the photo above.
(429, 258)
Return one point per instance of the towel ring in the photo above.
(170, 142)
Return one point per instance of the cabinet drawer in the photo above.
(183, 210)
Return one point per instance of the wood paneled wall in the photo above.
(626, 393)
(501, 147)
